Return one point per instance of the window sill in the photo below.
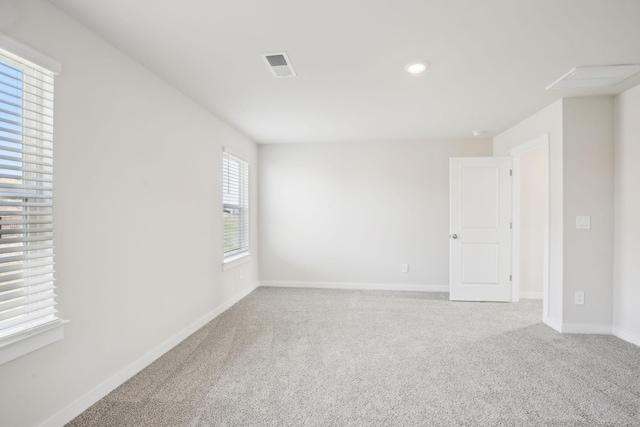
(235, 260)
(28, 341)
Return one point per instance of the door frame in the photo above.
(541, 142)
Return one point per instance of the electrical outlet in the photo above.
(583, 222)
(579, 298)
(404, 268)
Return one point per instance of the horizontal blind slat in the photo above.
(31, 281)
(24, 316)
(26, 158)
(26, 299)
(8, 241)
(28, 68)
(8, 231)
(43, 171)
(25, 309)
(20, 85)
(21, 291)
(26, 257)
(36, 272)
(16, 195)
(31, 323)
(21, 266)
(47, 179)
(45, 120)
(45, 111)
(25, 134)
(23, 125)
(24, 221)
(22, 146)
(29, 247)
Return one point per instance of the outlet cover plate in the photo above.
(583, 222)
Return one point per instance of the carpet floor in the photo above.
(307, 357)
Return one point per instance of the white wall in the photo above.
(626, 315)
(532, 193)
(138, 218)
(581, 180)
(353, 213)
(547, 121)
(588, 190)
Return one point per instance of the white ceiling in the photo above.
(490, 60)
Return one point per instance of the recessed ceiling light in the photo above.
(416, 67)
(478, 133)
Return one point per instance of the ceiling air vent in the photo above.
(598, 76)
(279, 64)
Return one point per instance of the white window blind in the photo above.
(235, 209)
(27, 298)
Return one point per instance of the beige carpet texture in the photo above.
(310, 357)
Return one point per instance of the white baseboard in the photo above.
(356, 286)
(531, 295)
(552, 323)
(623, 335)
(82, 404)
(585, 328)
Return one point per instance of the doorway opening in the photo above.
(530, 249)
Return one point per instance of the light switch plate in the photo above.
(583, 222)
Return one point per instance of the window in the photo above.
(235, 206)
(27, 299)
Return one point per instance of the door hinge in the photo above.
(510, 278)
(510, 172)
(511, 225)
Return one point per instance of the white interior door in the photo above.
(480, 229)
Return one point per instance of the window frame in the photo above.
(30, 338)
(242, 254)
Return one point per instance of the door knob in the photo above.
(454, 236)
